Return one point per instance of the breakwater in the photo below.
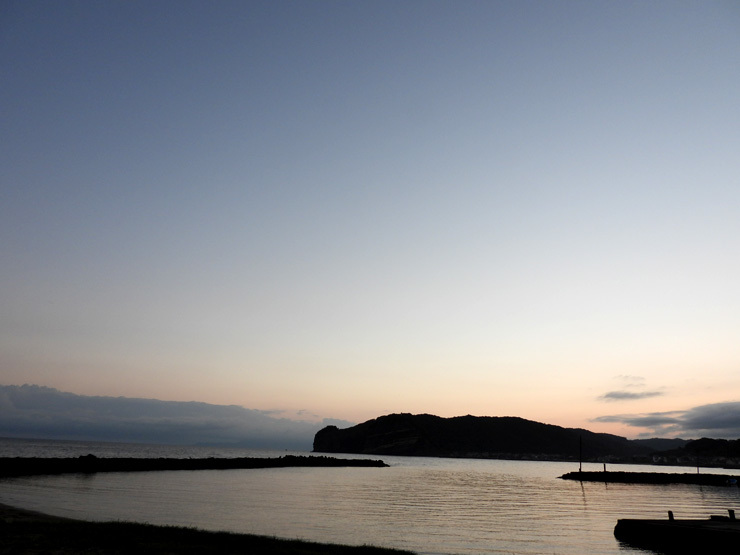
(654, 478)
(31, 466)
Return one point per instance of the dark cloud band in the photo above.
(718, 420)
(34, 411)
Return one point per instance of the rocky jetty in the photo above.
(29, 466)
(654, 478)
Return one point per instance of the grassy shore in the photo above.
(29, 532)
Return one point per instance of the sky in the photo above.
(339, 210)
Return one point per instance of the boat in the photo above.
(717, 534)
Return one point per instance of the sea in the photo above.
(422, 504)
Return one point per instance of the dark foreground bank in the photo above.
(31, 466)
(28, 532)
(654, 478)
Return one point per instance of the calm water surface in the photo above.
(427, 505)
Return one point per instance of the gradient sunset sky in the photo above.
(347, 209)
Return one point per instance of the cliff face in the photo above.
(472, 436)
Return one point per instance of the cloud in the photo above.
(631, 381)
(629, 395)
(648, 420)
(632, 389)
(35, 411)
(718, 416)
(718, 420)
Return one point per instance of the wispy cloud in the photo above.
(630, 380)
(629, 395)
(631, 388)
(647, 420)
(719, 420)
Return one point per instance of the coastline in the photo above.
(32, 532)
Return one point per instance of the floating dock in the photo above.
(718, 534)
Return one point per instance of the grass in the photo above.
(28, 532)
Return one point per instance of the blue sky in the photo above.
(345, 209)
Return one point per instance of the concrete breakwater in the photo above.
(654, 478)
(30, 466)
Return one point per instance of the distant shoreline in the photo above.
(26, 531)
(34, 466)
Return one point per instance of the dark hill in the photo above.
(473, 436)
(658, 444)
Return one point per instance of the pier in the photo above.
(654, 478)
